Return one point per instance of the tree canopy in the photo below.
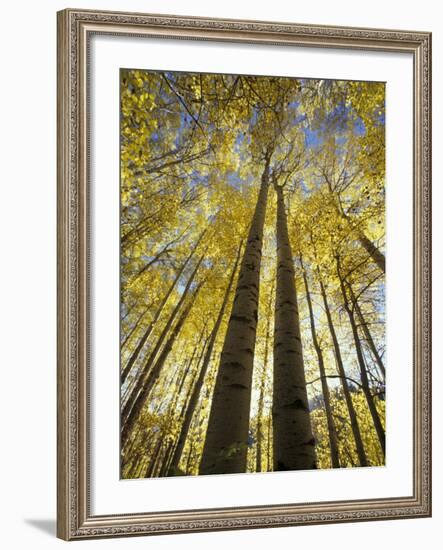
(252, 273)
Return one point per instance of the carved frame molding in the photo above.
(75, 28)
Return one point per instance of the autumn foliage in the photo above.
(252, 274)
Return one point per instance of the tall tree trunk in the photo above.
(225, 447)
(173, 416)
(261, 398)
(199, 361)
(153, 374)
(344, 383)
(164, 468)
(171, 413)
(157, 257)
(294, 444)
(189, 459)
(259, 430)
(152, 464)
(141, 381)
(143, 436)
(135, 327)
(332, 433)
(269, 452)
(373, 251)
(202, 373)
(361, 362)
(151, 325)
(367, 333)
(377, 256)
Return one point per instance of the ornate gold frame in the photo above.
(75, 28)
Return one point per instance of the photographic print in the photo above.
(252, 274)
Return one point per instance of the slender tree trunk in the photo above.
(151, 325)
(189, 459)
(367, 333)
(149, 380)
(349, 455)
(157, 257)
(202, 373)
(152, 356)
(131, 446)
(199, 361)
(377, 256)
(373, 251)
(203, 342)
(167, 459)
(344, 383)
(261, 399)
(132, 471)
(142, 439)
(152, 464)
(172, 415)
(225, 447)
(361, 362)
(135, 327)
(332, 433)
(269, 453)
(294, 444)
(128, 312)
(166, 466)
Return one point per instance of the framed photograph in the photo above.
(244, 314)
